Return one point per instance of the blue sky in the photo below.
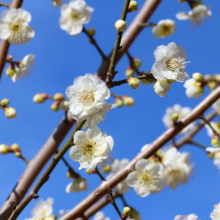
(60, 58)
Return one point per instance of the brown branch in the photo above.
(168, 135)
(54, 140)
(4, 45)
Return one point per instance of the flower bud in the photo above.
(210, 155)
(182, 1)
(10, 72)
(55, 106)
(136, 63)
(70, 175)
(147, 81)
(4, 149)
(58, 97)
(133, 6)
(15, 148)
(198, 77)
(126, 212)
(134, 83)
(38, 98)
(217, 155)
(120, 25)
(64, 105)
(134, 214)
(106, 169)
(118, 102)
(52, 217)
(4, 102)
(17, 154)
(161, 87)
(215, 141)
(129, 72)
(91, 32)
(10, 57)
(10, 112)
(175, 117)
(128, 101)
(88, 171)
(212, 85)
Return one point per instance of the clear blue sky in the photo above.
(60, 58)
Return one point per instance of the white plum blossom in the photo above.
(25, 68)
(91, 148)
(145, 179)
(189, 217)
(87, 96)
(197, 14)
(74, 15)
(178, 171)
(100, 216)
(122, 187)
(161, 87)
(170, 63)
(215, 215)
(164, 28)
(215, 125)
(42, 210)
(14, 26)
(78, 185)
(57, 3)
(62, 212)
(181, 112)
(193, 90)
(216, 106)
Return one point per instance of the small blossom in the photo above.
(196, 15)
(86, 99)
(4, 149)
(161, 87)
(215, 125)
(78, 185)
(215, 215)
(62, 212)
(178, 171)
(74, 15)
(100, 216)
(14, 26)
(193, 89)
(164, 28)
(10, 112)
(57, 3)
(26, 67)
(216, 106)
(128, 101)
(122, 187)
(170, 63)
(146, 178)
(181, 112)
(64, 105)
(91, 148)
(189, 217)
(120, 25)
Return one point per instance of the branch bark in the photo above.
(4, 45)
(53, 142)
(168, 135)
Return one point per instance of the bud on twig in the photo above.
(175, 117)
(128, 101)
(58, 97)
(4, 149)
(10, 112)
(39, 98)
(198, 77)
(129, 72)
(134, 83)
(126, 212)
(64, 105)
(4, 102)
(15, 148)
(133, 6)
(136, 63)
(118, 102)
(55, 106)
(120, 25)
(91, 32)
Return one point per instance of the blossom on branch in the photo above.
(87, 96)
(196, 15)
(181, 112)
(170, 63)
(74, 15)
(100, 216)
(122, 187)
(215, 215)
(189, 217)
(193, 88)
(146, 178)
(216, 106)
(78, 185)
(91, 148)
(57, 3)
(164, 28)
(14, 26)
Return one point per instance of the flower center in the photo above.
(87, 97)
(75, 16)
(15, 27)
(175, 174)
(176, 63)
(145, 178)
(166, 28)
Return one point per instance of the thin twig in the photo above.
(4, 4)
(132, 63)
(93, 41)
(123, 200)
(70, 168)
(151, 24)
(45, 176)
(198, 145)
(115, 96)
(24, 159)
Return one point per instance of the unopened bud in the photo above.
(208, 77)
(126, 212)
(210, 155)
(128, 101)
(182, 1)
(134, 83)
(118, 102)
(200, 90)
(15, 148)
(217, 155)
(215, 141)
(55, 106)
(4, 149)
(88, 171)
(136, 63)
(4, 102)
(91, 32)
(10, 112)
(17, 154)
(212, 85)
(64, 105)
(133, 6)
(161, 87)
(70, 175)
(147, 81)
(38, 98)
(198, 77)
(129, 72)
(10, 72)
(58, 97)
(120, 25)
(217, 78)
(106, 169)
(10, 57)
(175, 117)
(52, 217)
